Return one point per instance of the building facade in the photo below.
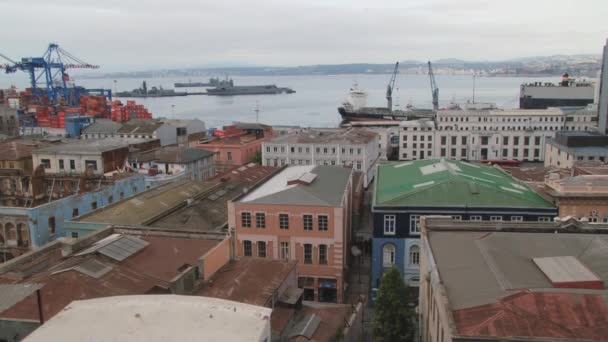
(36, 215)
(235, 145)
(171, 163)
(9, 121)
(356, 148)
(567, 148)
(407, 191)
(100, 156)
(303, 213)
(489, 134)
(582, 197)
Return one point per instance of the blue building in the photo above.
(38, 217)
(406, 191)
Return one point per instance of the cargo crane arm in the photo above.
(434, 89)
(390, 87)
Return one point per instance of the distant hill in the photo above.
(578, 65)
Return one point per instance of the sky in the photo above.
(145, 34)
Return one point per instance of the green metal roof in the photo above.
(451, 183)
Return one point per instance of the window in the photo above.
(268, 149)
(91, 164)
(307, 222)
(110, 199)
(537, 140)
(389, 224)
(544, 219)
(484, 140)
(388, 252)
(247, 248)
(246, 219)
(74, 235)
(284, 250)
(261, 249)
(414, 222)
(260, 220)
(444, 140)
(454, 140)
(307, 253)
(517, 218)
(323, 222)
(61, 166)
(283, 221)
(52, 225)
(414, 256)
(505, 140)
(457, 217)
(475, 218)
(464, 140)
(122, 194)
(93, 205)
(443, 151)
(229, 156)
(46, 163)
(495, 218)
(323, 254)
(526, 140)
(75, 212)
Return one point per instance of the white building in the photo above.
(357, 148)
(388, 135)
(172, 163)
(152, 318)
(102, 156)
(489, 134)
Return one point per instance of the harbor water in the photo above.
(316, 99)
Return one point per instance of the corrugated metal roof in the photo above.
(102, 126)
(438, 182)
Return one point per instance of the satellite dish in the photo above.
(355, 251)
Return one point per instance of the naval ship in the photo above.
(568, 92)
(228, 89)
(213, 82)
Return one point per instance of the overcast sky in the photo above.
(143, 34)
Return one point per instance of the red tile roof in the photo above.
(538, 314)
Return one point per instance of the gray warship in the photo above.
(228, 88)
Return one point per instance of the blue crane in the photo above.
(48, 76)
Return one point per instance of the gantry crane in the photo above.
(434, 89)
(390, 87)
(48, 75)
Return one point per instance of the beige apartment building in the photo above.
(303, 213)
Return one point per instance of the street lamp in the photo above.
(172, 111)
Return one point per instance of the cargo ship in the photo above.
(228, 89)
(567, 93)
(213, 82)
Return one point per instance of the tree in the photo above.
(257, 157)
(393, 317)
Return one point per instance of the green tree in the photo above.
(393, 317)
(257, 157)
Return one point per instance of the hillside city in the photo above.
(460, 223)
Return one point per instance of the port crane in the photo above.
(48, 76)
(390, 87)
(434, 89)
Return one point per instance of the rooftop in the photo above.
(142, 126)
(155, 318)
(328, 136)
(176, 155)
(327, 187)
(210, 213)
(442, 182)
(102, 126)
(518, 279)
(92, 147)
(180, 122)
(148, 205)
(249, 280)
(111, 262)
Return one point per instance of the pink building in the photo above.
(303, 213)
(235, 145)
